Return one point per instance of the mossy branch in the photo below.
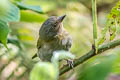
(90, 54)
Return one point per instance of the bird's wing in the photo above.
(34, 56)
(39, 43)
(38, 47)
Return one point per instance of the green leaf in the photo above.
(15, 42)
(112, 23)
(9, 13)
(12, 14)
(101, 40)
(17, 0)
(30, 16)
(112, 32)
(3, 7)
(118, 29)
(116, 66)
(44, 4)
(29, 7)
(4, 30)
(97, 68)
(43, 71)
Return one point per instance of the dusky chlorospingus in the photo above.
(52, 37)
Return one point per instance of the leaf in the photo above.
(29, 7)
(116, 66)
(9, 13)
(18, 0)
(30, 16)
(113, 20)
(112, 32)
(12, 14)
(118, 29)
(112, 37)
(44, 4)
(4, 30)
(101, 40)
(43, 71)
(97, 68)
(3, 7)
(15, 42)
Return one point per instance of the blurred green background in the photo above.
(16, 63)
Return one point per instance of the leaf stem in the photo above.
(94, 17)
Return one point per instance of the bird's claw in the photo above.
(70, 63)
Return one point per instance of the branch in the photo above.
(90, 54)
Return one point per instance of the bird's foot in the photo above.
(70, 63)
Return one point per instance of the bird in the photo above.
(52, 37)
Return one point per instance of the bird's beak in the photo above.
(60, 19)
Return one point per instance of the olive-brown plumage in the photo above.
(52, 37)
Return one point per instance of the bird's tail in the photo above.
(34, 56)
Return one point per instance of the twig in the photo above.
(94, 19)
(90, 54)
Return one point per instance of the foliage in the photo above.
(4, 32)
(43, 71)
(30, 16)
(28, 7)
(98, 68)
(112, 23)
(5, 17)
(11, 15)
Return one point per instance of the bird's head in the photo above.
(51, 27)
(53, 23)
